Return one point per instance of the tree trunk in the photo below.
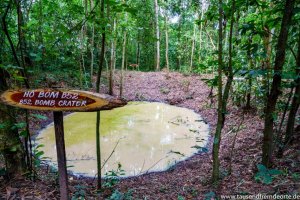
(40, 34)
(101, 61)
(157, 36)
(267, 148)
(10, 145)
(167, 43)
(200, 36)
(295, 102)
(22, 42)
(82, 45)
(138, 49)
(251, 66)
(123, 63)
(230, 55)
(112, 60)
(193, 48)
(248, 100)
(222, 98)
(211, 40)
(92, 44)
(217, 138)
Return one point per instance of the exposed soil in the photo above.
(190, 178)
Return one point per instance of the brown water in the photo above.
(146, 137)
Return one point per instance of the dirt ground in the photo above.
(189, 179)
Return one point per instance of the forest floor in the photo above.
(189, 179)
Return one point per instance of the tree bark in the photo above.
(157, 36)
(200, 36)
(217, 138)
(101, 61)
(167, 42)
(112, 60)
(295, 101)
(13, 49)
(267, 148)
(10, 145)
(92, 44)
(193, 48)
(222, 98)
(123, 63)
(137, 61)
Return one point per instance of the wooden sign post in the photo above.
(58, 101)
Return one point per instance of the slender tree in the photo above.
(295, 102)
(92, 43)
(101, 63)
(112, 58)
(267, 148)
(167, 42)
(157, 36)
(222, 98)
(217, 137)
(200, 35)
(123, 61)
(193, 47)
(14, 159)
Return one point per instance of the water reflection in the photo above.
(144, 136)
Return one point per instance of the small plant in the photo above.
(117, 195)
(38, 155)
(180, 197)
(210, 195)
(112, 177)
(164, 90)
(266, 175)
(185, 84)
(296, 176)
(140, 96)
(79, 193)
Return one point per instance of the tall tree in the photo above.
(217, 137)
(222, 97)
(193, 47)
(267, 148)
(11, 146)
(123, 60)
(92, 44)
(295, 101)
(112, 58)
(200, 35)
(101, 63)
(157, 36)
(167, 42)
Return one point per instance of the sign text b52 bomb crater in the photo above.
(56, 100)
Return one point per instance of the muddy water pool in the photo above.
(143, 136)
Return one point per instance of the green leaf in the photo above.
(275, 172)
(210, 195)
(13, 149)
(39, 154)
(267, 180)
(23, 133)
(19, 125)
(38, 116)
(39, 146)
(2, 125)
(180, 197)
(261, 168)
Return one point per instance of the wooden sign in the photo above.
(59, 100)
